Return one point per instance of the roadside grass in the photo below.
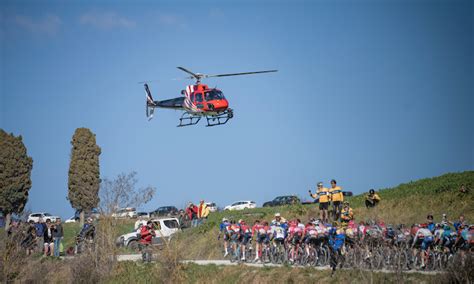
(128, 272)
(71, 230)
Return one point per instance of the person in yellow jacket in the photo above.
(323, 194)
(203, 211)
(372, 199)
(346, 214)
(337, 198)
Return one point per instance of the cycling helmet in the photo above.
(320, 184)
(429, 217)
(277, 215)
(371, 191)
(224, 219)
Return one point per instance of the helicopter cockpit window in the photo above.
(213, 95)
(198, 97)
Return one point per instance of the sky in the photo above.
(370, 93)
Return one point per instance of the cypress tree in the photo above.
(84, 172)
(15, 174)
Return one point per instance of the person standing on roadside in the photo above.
(40, 227)
(147, 233)
(203, 211)
(57, 236)
(337, 198)
(48, 238)
(323, 194)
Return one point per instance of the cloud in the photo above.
(50, 24)
(106, 20)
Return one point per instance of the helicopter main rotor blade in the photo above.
(189, 72)
(238, 74)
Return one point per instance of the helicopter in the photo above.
(197, 101)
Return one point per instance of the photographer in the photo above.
(372, 199)
(146, 236)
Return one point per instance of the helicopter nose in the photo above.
(221, 104)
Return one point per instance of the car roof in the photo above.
(163, 219)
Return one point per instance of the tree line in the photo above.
(84, 180)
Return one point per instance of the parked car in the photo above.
(143, 214)
(128, 212)
(164, 228)
(71, 220)
(241, 205)
(94, 214)
(2, 220)
(282, 200)
(164, 211)
(212, 206)
(34, 217)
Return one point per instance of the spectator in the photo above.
(337, 198)
(203, 211)
(463, 189)
(29, 242)
(192, 211)
(40, 227)
(13, 228)
(278, 219)
(147, 233)
(88, 230)
(346, 214)
(322, 194)
(182, 219)
(48, 238)
(372, 199)
(57, 236)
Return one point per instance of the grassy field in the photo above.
(407, 203)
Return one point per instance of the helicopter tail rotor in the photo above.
(150, 103)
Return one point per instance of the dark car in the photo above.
(282, 200)
(164, 211)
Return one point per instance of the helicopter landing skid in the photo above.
(189, 119)
(224, 116)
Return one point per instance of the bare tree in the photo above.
(122, 192)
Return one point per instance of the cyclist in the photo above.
(426, 237)
(336, 243)
(233, 230)
(346, 214)
(337, 198)
(223, 231)
(260, 231)
(310, 236)
(430, 224)
(371, 199)
(278, 233)
(295, 234)
(323, 194)
(245, 237)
